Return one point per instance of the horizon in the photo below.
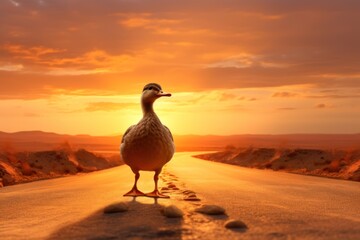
(180, 135)
(234, 68)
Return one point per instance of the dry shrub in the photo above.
(268, 165)
(334, 166)
(26, 169)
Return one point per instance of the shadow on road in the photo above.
(141, 221)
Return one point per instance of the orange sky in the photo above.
(259, 66)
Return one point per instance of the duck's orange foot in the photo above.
(156, 194)
(134, 193)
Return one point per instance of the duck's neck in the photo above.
(147, 108)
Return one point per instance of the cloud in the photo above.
(92, 62)
(334, 96)
(251, 99)
(321, 105)
(227, 96)
(76, 72)
(286, 109)
(15, 3)
(147, 21)
(32, 53)
(245, 60)
(284, 94)
(191, 46)
(11, 67)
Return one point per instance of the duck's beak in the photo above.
(164, 94)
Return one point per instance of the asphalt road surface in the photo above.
(274, 205)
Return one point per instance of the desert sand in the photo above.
(343, 164)
(265, 204)
(20, 167)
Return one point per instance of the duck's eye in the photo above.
(150, 88)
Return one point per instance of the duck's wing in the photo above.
(127, 131)
(169, 132)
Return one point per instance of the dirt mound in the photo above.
(335, 163)
(29, 166)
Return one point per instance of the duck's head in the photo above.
(151, 92)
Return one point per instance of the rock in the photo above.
(116, 207)
(232, 223)
(187, 198)
(211, 210)
(171, 185)
(186, 192)
(164, 188)
(172, 211)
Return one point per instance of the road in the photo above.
(274, 205)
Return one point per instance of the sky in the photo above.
(233, 67)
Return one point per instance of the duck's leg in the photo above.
(156, 193)
(134, 192)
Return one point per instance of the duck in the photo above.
(148, 145)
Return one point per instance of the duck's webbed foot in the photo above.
(156, 194)
(134, 192)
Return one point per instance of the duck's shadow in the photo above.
(141, 221)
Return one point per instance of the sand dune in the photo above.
(19, 167)
(343, 164)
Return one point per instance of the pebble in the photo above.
(232, 223)
(188, 192)
(164, 188)
(191, 198)
(171, 185)
(211, 210)
(172, 211)
(116, 207)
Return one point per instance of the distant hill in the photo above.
(38, 141)
(311, 141)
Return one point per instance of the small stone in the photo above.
(172, 211)
(171, 185)
(188, 192)
(175, 188)
(164, 188)
(211, 210)
(191, 198)
(232, 223)
(116, 207)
